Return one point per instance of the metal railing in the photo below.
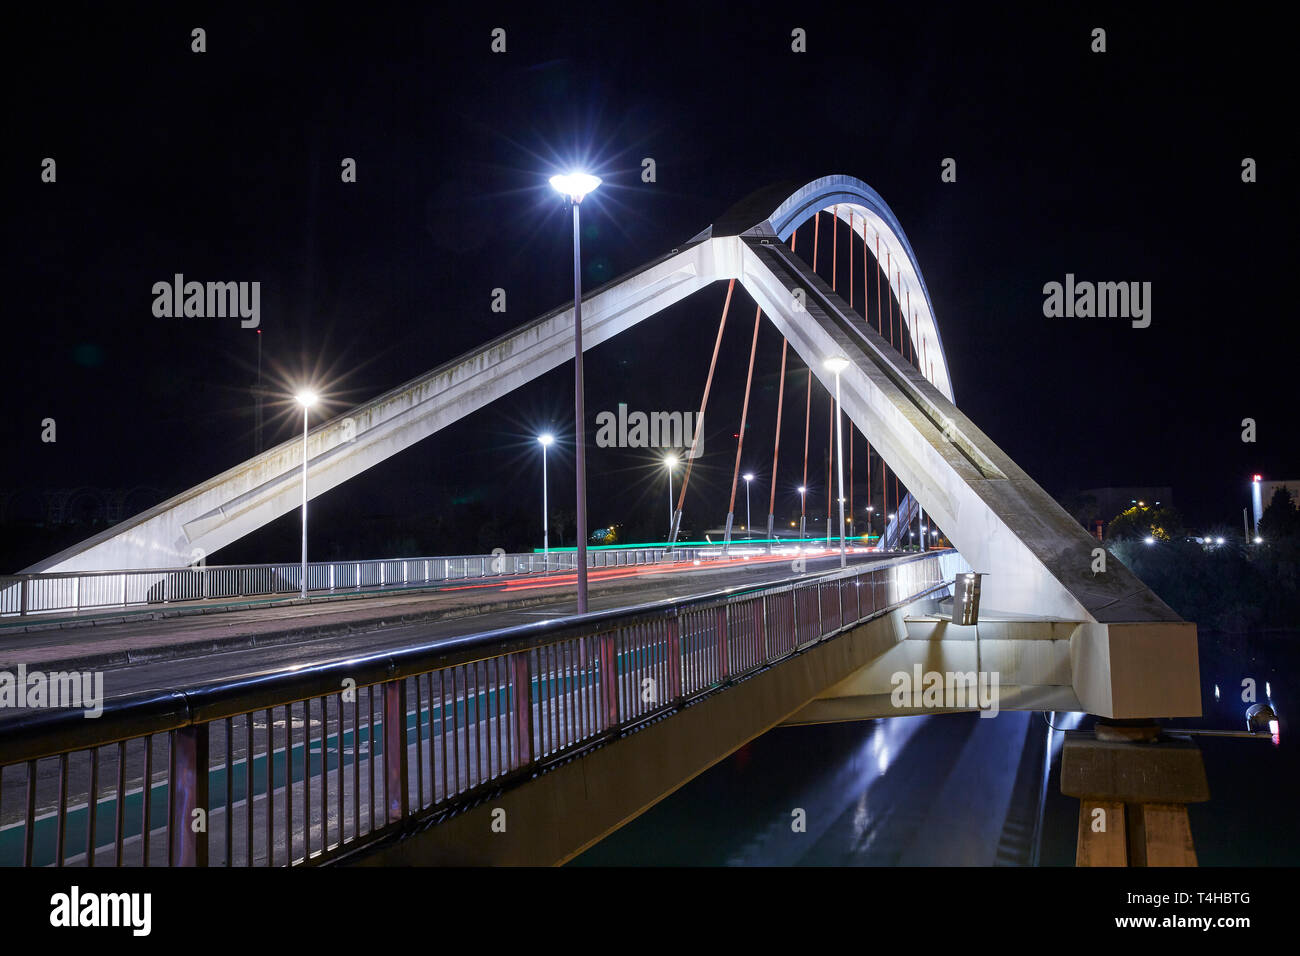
(25, 594)
(307, 765)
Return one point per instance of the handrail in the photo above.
(23, 595)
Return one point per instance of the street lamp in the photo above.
(837, 364)
(749, 527)
(803, 511)
(545, 441)
(1256, 501)
(306, 398)
(576, 185)
(670, 462)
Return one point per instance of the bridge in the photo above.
(526, 743)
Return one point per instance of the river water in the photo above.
(958, 789)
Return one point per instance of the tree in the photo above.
(1143, 521)
(1280, 520)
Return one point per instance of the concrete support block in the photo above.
(1133, 800)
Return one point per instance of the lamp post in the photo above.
(576, 186)
(1256, 501)
(306, 398)
(749, 528)
(803, 502)
(838, 364)
(870, 516)
(670, 462)
(545, 441)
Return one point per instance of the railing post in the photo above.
(23, 596)
(721, 620)
(675, 657)
(794, 616)
(187, 833)
(395, 785)
(609, 677)
(523, 709)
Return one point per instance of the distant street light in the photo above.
(1256, 502)
(670, 462)
(576, 185)
(837, 364)
(306, 398)
(545, 440)
(749, 527)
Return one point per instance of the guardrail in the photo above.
(25, 594)
(307, 765)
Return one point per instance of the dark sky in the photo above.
(225, 166)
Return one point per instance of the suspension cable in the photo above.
(889, 265)
(776, 442)
(879, 329)
(817, 231)
(830, 454)
(835, 244)
(807, 418)
(851, 265)
(744, 413)
(699, 422)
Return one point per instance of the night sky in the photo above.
(225, 166)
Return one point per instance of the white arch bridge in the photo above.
(1103, 637)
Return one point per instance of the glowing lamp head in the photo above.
(547, 440)
(575, 185)
(1257, 478)
(671, 461)
(802, 489)
(748, 476)
(836, 364)
(1149, 540)
(307, 398)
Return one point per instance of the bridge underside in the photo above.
(941, 662)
